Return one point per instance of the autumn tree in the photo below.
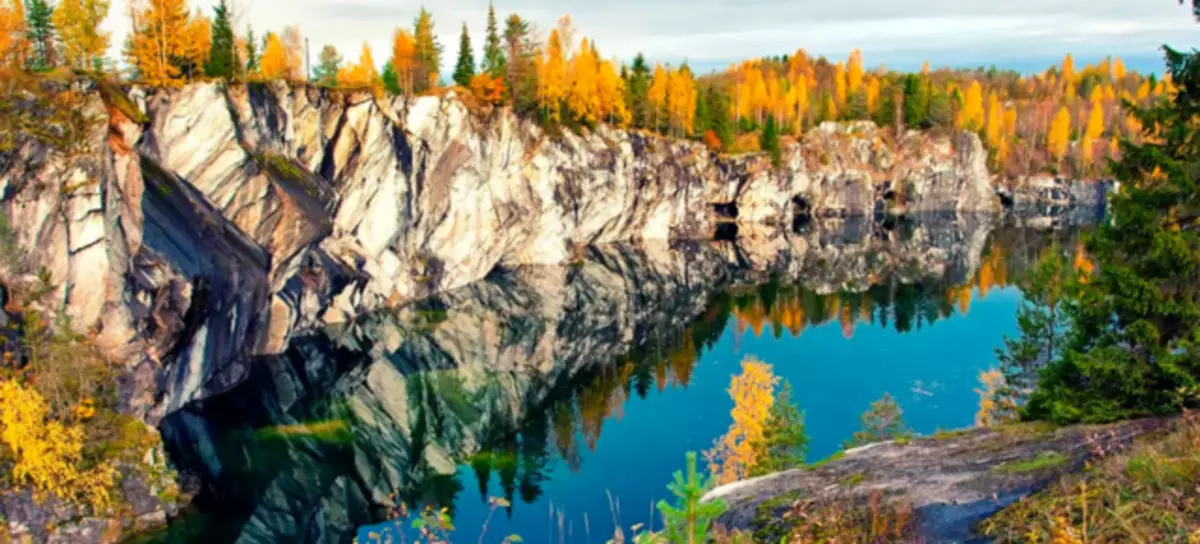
(13, 44)
(39, 24)
(464, 68)
(971, 116)
(362, 74)
(854, 72)
(552, 78)
(404, 60)
(427, 53)
(78, 25)
(222, 58)
(656, 95)
(735, 454)
(494, 60)
(584, 98)
(1059, 136)
(839, 83)
(681, 100)
(274, 63)
(329, 63)
(1093, 131)
(168, 44)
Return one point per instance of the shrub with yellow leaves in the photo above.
(48, 454)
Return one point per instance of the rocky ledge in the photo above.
(951, 482)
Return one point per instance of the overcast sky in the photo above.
(1021, 34)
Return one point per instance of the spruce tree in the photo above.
(39, 25)
(769, 140)
(494, 62)
(222, 59)
(251, 51)
(637, 90)
(464, 68)
(427, 50)
(1133, 346)
(390, 80)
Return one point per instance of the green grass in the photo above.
(1044, 461)
(1147, 493)
(853, 479)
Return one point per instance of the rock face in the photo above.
(951, 483)
(207, 225)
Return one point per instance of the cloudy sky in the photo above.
(1021, 34)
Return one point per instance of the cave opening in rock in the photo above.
(725, 211)
(1006, 200)
(801, 214)
(726, 232)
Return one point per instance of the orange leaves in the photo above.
(1095, 129)
(839, 84)
(12, 31)
(488, 89)
(404, 59)
(712, 141)
(282, 57)
(165, 46)
(753, 393)
(361, 74)
(611, 89)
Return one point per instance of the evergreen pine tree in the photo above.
(390, 80)
(719, 120)
(251, 51)
(464, 68)
(39, 26)
(494, 62)
(916, 102)
(222, 58)
(769, 140)
(1133, 344)
(637, 90)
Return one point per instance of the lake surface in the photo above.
(574, 392)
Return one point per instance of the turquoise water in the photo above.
(573, 393)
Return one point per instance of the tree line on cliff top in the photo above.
(1067, 119)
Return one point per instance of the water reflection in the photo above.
(505, 377)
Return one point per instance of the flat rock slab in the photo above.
(952, 481)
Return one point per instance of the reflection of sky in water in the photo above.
(932, 371)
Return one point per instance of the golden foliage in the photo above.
(282, 56)
(1095, 128)
(854, 72)
(839, 84)
(404, 59)
(552, 78)
(49, 453)
(583, 98)
(13, 45)
(971, 115)
(681, 101)
(78, 25)
(164, 36)
(1059, 137)
(994, 406)
(361, 74)
(753, 393)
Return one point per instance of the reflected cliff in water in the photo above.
(483, 391)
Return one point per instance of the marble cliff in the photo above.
(201, 227)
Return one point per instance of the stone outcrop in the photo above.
(950, 482)
(207, 225)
